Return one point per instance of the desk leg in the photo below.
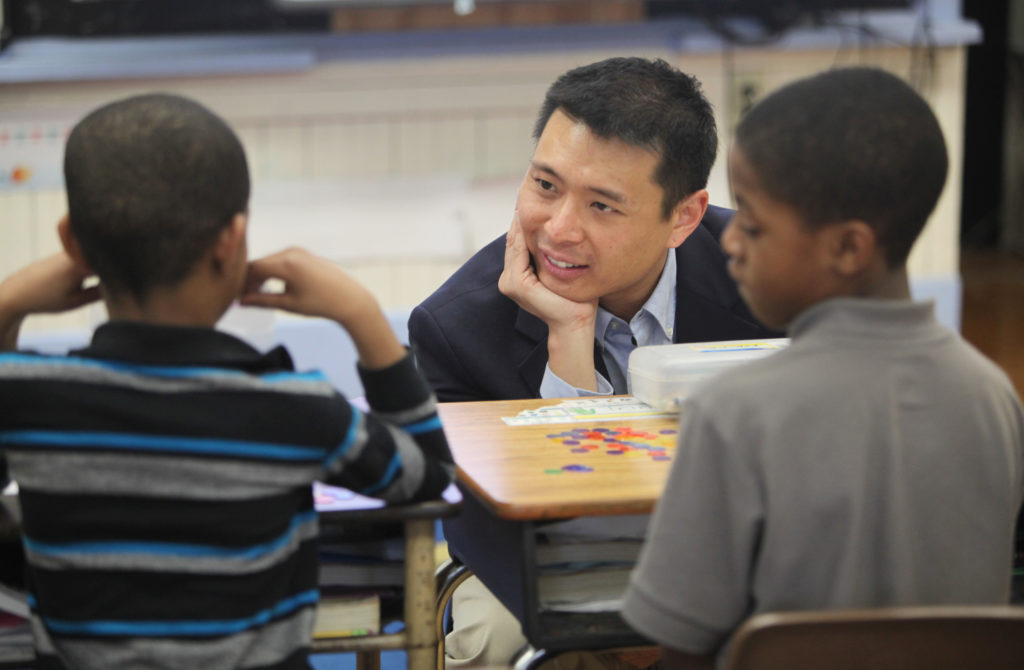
(420, 590)
(368, 660)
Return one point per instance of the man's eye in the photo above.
(601, 207)
(750, 231)
(545, 184)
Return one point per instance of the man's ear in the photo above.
(686, 216)
(853, 246)
(70, 243)
(230, 247)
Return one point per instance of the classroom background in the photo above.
(394, 140)
(397, 153)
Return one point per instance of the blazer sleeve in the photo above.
(438, 361)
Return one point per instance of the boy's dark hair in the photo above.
(646, 103)
(151, 180)
(850, 144)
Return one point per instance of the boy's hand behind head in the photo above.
(314, 286)
(53, 284)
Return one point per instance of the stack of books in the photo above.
(585, 576)
(361, 582)
(348, 615)
(374, 563)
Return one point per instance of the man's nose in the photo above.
(565, 222)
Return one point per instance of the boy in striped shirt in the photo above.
(165, 470)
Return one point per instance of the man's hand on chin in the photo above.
(570, 324)
(519, 281)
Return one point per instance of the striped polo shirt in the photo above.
(165, 486)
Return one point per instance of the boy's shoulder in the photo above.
(830, 371)
(165, 359)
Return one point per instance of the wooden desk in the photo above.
(417, 638)
(508, 474)
(504, 466)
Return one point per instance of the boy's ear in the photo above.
(854, 247)
(70, 243)
(686, 216)
(230, 247)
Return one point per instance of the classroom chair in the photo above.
(893, 638)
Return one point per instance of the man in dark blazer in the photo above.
(612, 245)
(617, 182)
(475, 344)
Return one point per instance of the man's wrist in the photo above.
(571, 357)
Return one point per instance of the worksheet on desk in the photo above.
(578, 410)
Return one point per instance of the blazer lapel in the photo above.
(531, 366)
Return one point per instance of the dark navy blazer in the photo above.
(473, 343)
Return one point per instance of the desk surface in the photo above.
(542, 472)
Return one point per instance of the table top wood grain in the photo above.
(530, 473)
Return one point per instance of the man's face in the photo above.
(591, 217)
(780, 265)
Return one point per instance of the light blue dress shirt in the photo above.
(651, 325)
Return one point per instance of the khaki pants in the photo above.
(484, 633)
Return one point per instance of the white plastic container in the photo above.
(662, 376)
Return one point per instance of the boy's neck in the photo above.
(190, 303)
(890, 284)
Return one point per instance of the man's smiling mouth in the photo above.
(562, 264)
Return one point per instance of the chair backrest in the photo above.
(894, 638)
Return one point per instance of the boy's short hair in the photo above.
(151, 180)
(850, 144)
(646, 103)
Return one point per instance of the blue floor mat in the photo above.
(389, 660)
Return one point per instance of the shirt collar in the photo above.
(136, 342)
(661, 305)
(847, 317)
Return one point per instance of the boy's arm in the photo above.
(315, 286)
(404, 429)
(53, 284)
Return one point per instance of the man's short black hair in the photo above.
(151, 180)
(646, 103)
(850, 144)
